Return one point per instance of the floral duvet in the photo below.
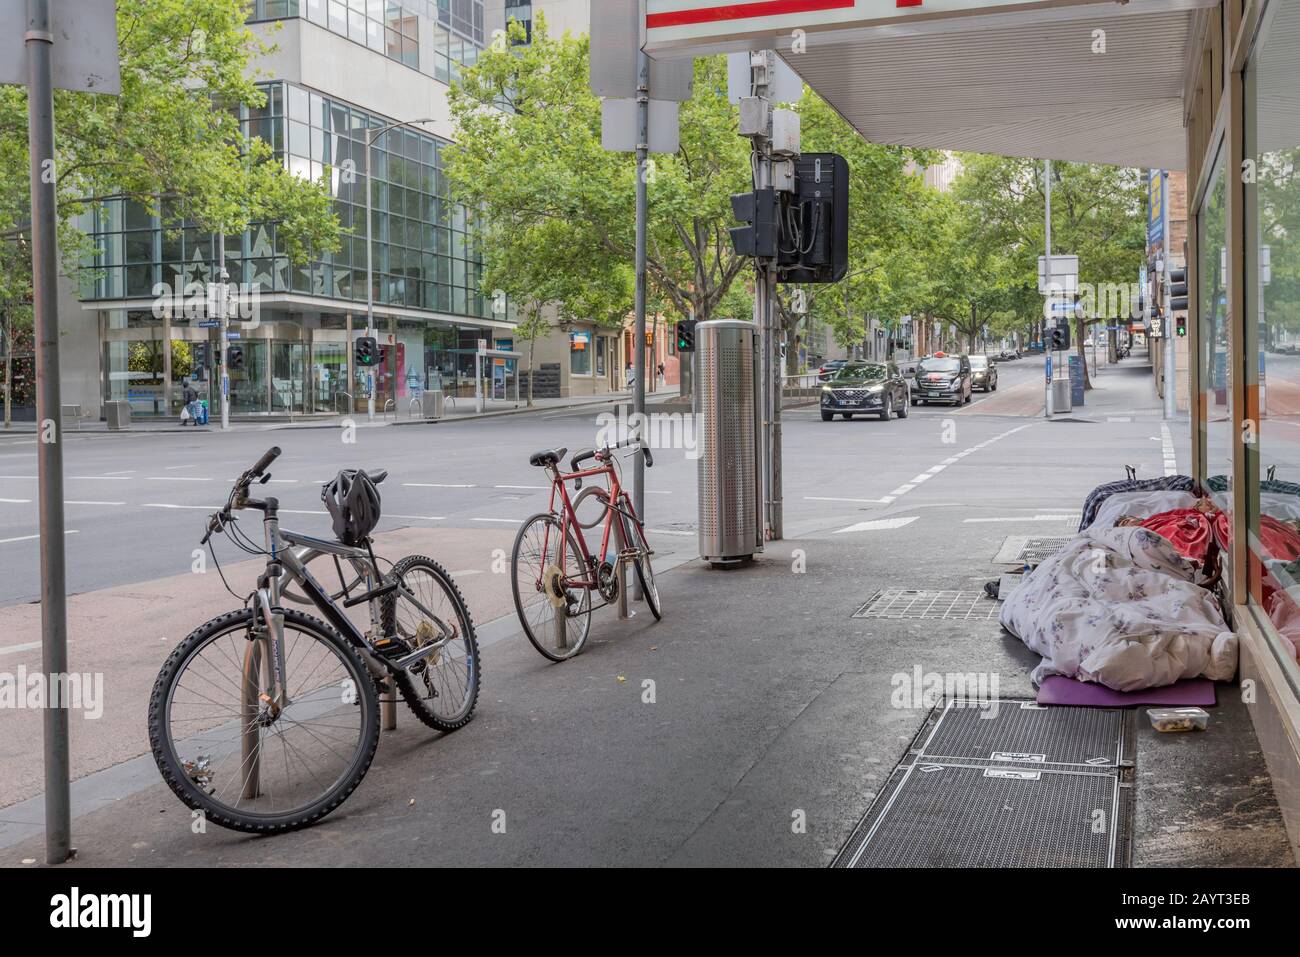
(1120, 607)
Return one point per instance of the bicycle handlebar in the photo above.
(238, 499)
(575, 464)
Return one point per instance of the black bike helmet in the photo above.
(352, 499)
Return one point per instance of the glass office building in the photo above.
(299, 320)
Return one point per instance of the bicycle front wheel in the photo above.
(635, 538)
(225, 747)
(556, 615)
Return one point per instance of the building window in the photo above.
(425, 255)
(1272, 335)
(580, 353)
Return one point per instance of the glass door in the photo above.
(287, 383)
(249, 384)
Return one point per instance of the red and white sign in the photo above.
(713, 24)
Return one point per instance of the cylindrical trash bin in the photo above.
(727, 394)
(1061, 397)
(117, 413)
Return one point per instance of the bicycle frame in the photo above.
(569, 519)
(282, 560)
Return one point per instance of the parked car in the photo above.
(865, 388)
(983, 373)
(829, 368)
(942, 378)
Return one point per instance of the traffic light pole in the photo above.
(642, 255)
(224, 316)
(764, 319)
(1047, 276)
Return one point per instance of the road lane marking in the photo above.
(16, 501)
(879, 524)
(524, 487)
(28, 538)
(82, 502)
(423, 518)
(670, 531)
(863, 501)
(506, 521)
(1167, 448)
(176, 478)
(1021, 518)
(15, 649)
(201, 508)
(172, 468)
(434, 485)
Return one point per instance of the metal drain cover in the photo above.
(1022, 732)
(957, 815)
(946, 605)
(1029, 549)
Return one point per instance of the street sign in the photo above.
(714, 24)
(615, 40)
(619, 132)
(1064, 275)
(209, 323)
(1155, 206)
(85, 44)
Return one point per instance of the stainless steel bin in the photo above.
(727, 405)
(1062, 400)
(117, 413)
(433, 403)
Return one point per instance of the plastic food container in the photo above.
(1179, 719)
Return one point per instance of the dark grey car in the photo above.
(865, 388)
(942, 378)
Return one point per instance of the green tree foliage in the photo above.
(891, 222)
(1097, 214)
(528, 156)
(163, 136)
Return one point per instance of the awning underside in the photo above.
(1022, 87)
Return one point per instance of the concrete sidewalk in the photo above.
(697, 739)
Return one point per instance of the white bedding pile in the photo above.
(1119, 606)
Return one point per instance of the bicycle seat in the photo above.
(547, 457)
(378, 475)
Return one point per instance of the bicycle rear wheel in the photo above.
(223, 748)
(442, 689)
(556, 618)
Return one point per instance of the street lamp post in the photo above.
(371, 136)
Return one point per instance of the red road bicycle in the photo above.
(556, 574)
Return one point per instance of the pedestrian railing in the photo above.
(352, 408)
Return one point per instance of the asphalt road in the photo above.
(136, 503)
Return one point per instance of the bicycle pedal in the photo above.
(390, 648)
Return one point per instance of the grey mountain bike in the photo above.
(267, 718)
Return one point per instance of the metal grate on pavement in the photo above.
(900, 603)
(1029, 549)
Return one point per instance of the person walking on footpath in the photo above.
(189, 407)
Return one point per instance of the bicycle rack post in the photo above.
(250, 757)
(388, 705)
(562, 627)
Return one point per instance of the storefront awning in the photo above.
(1082, 80)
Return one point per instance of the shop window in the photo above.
(1272, 294)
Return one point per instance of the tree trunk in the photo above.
(1083, 356)
(532, 376)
